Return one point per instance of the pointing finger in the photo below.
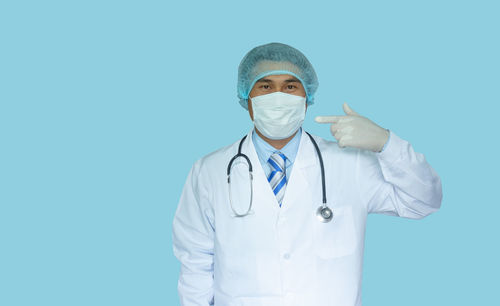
(327, 119)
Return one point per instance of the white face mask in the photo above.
(278, 115)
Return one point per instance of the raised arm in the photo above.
(398, 181)
(393, 179)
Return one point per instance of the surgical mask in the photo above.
(278, 115)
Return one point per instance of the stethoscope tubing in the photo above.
(322, 167)
(324, 213)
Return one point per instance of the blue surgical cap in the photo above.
(272, 59)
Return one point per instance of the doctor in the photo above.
(281, 253)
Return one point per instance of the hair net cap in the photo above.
(272, 59)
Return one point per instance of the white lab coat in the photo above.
(285, 256)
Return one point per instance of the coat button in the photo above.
(286, 256)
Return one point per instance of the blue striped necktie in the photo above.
(277, 178)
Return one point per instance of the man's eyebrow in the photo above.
(270, 81)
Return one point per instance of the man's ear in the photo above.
(250, 109)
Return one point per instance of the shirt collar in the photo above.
(265, 150)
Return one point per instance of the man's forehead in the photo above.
(267, 65)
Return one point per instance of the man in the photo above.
(289, 249)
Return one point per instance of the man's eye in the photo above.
(291, 86)
(265, 86)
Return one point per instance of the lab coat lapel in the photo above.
(297, 190)
(264, 199)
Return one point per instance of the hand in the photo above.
(354, 130)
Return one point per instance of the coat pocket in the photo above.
(336, 238)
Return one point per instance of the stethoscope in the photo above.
(323, 213)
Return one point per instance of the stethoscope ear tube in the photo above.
(239, 155)
(250, 171)
(233, 159)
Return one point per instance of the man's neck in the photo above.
(278, 144)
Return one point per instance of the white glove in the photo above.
(356, 131)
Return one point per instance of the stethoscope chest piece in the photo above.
(324, 214)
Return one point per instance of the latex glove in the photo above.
(354, 130)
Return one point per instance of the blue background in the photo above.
(105, 105)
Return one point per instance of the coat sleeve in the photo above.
(398, 181)
(193, 242)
